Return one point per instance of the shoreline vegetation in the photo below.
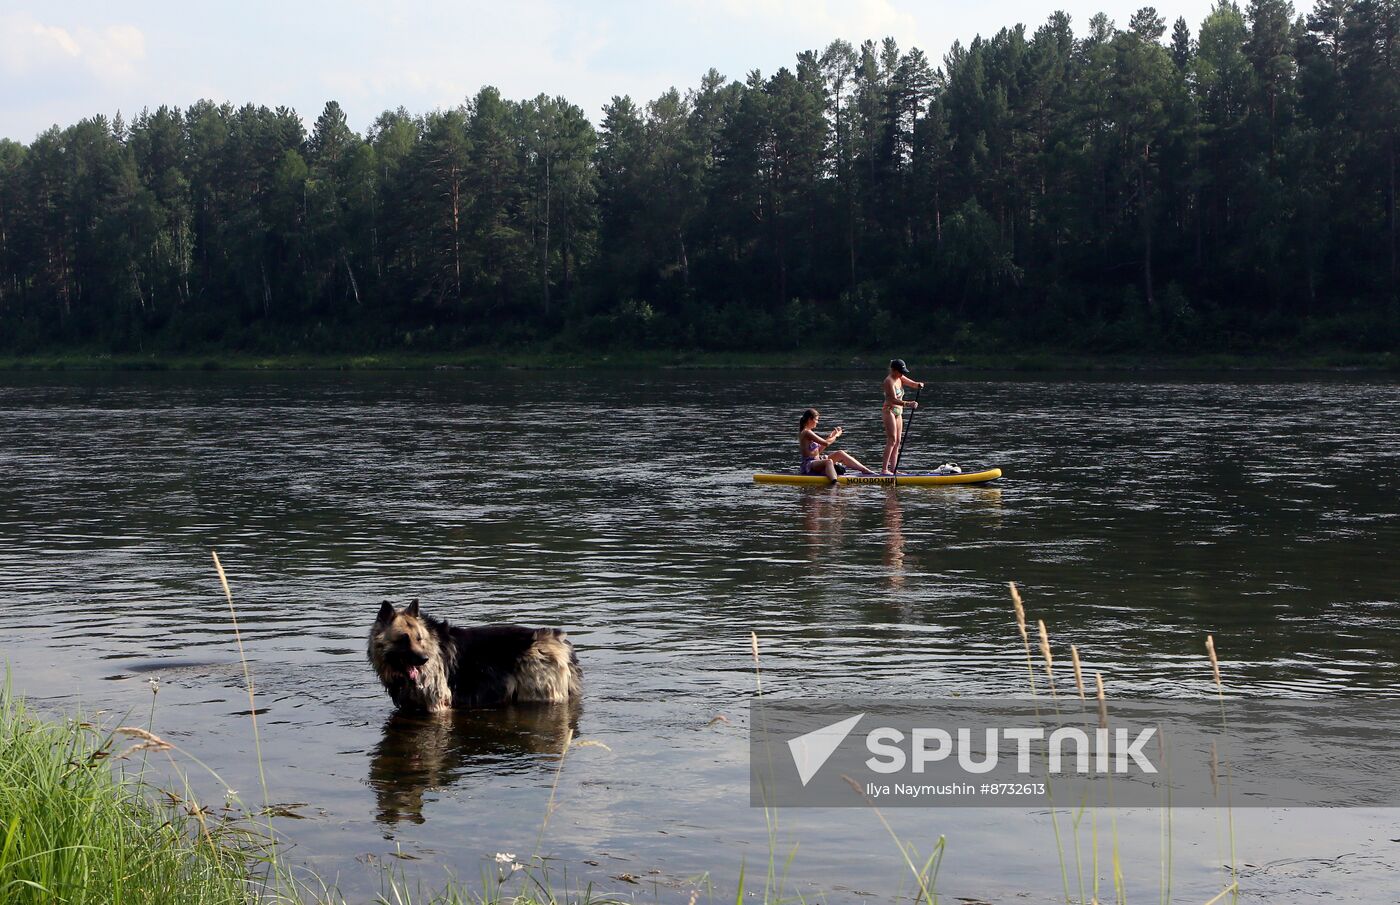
(77, 829)
(545, 359)
(81, 822)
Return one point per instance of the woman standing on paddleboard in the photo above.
(893, 412)
(815, 459)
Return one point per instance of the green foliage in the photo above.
(74, 831)
(1241, 181)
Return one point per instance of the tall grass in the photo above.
(1231, 891)
(75, 830)
(774, 880)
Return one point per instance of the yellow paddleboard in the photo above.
(902, 480)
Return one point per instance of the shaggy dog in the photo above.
(428, 665)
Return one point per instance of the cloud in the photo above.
(116, 50)
(855, 19)
(53, 36)
(28, 46)
(443, 57)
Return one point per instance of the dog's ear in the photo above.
(412, 608)
(386, 613)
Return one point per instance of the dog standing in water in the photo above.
(427, 665)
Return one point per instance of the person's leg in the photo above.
(829, 462)
(899, 441)
(846, 458)
(892, 426)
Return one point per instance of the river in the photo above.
(1138, 513)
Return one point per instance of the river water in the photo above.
(1137, 513)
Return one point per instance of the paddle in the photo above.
(909, 422)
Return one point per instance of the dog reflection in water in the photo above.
(421, 753)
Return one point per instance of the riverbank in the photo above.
(544, 359)
(81, 824)
(78, 830)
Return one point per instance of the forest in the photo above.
(1111, 188)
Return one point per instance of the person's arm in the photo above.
(812, 436)
(909, 382)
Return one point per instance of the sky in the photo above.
(62, 61)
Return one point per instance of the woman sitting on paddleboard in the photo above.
(815, 459)
(893, 412)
